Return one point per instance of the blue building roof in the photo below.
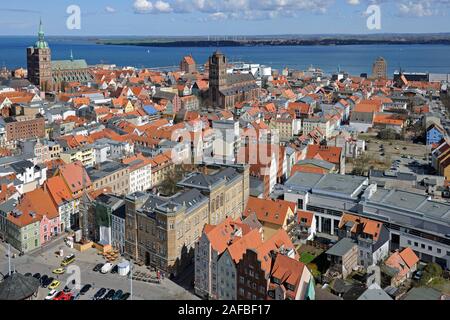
(150, 110)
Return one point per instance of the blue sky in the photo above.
(222, 17)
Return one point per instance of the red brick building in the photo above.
(22, 128)
(254, 269)
(188, 65)
(227, 90)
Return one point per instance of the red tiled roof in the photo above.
(329, 154)
(58, 190)
(267, 210)
(73, 176)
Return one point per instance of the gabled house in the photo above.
(254, 269)
(334, 155)
(399, 267)
(290, 279)
(214, 241)
(63, 200)
(372, 238)
(435, 134)
(273, 214)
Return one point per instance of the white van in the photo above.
(107, 268)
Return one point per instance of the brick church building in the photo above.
(51, 75)
(227, 90)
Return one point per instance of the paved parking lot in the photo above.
(44, 261)
(411, 165)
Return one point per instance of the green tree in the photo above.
(361, 165)
(169, 185)
(314, 270)
(434, 269)
(431, 272)
(388, 134)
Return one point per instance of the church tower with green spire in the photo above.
(39, 62)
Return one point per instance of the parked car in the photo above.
(125, 296)
(418, 275)
(76, 297)
(98, 267)
(55, 284)
(59, 271)
(115, 269)
(110, 294)
(99, 293)
(85, 289)
(45, 281)
(107, 268)
(64, 296)
(58, 296)
(37, 276)
(51, 295)
(68, 260)
(117, 295)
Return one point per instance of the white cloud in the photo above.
(110, 9)
(270, 9)
(211, 7)
(162, 6)
(144, 6)
(416, 9)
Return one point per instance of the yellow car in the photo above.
(59, 271)
(55, 284)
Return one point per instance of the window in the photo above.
(422, 246)
(416, 244)
(430, 248)
(409, 242)
(438, 250)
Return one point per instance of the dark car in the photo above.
(85, 289)
(110, 294)
(115, 269)
(100, 293)
(28, 274)
(117, 295)
(37, 276)
(98, 267)
(418, 275)
(44, 281)
(125, 296)
(75, 297)
(48, 281)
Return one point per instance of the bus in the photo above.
(68, 260)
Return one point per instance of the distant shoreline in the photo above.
(269, 43)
